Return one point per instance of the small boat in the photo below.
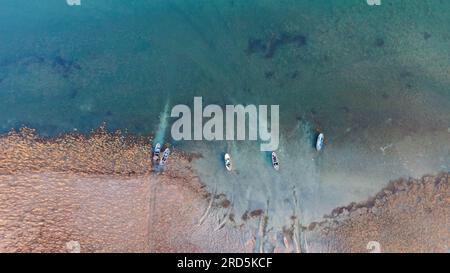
(227, 159)
(319, 142)
(275, 163)
(164, 157)
(156, 152)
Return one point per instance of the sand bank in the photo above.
(406, 216)
(98, 193)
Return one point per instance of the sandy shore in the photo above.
(99, 194)
(406, 216)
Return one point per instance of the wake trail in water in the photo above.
(163, 123)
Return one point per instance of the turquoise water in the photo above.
(375, 80)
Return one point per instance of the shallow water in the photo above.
(373, 79)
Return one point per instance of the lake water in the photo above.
(374, 79)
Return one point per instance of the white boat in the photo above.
(275, 163)
(319, 142)
(156, 152)
(164, 157)
(227, 159)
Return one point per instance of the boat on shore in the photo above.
(319, 142)
(156, 152)
(164, 157)
(227, 159)
(275, 162)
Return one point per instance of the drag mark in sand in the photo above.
(225, 217)
(206, 213)
(263, 220)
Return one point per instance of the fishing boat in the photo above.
(156, 152)
(275, 163)
(319, 142)
(164, 157)
(227, 159)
